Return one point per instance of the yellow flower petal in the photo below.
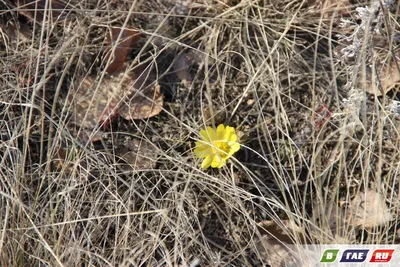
(235, 147)
(207, 161)
(229, 131)
(220, 132)
(221, 163)
(201, 151)
(199, 143)
(205, 136)
(208, 134)
(216, 163)
(233, 138)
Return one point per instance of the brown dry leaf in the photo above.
(136, 154)
(343, 222)
(368, 209)
(145, 99)
(35, 10)
(130, 95)
(92, 104)
(123, 47)
(276, 244)
(384, 81)
(143, 106)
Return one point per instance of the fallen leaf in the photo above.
(340, 222)
(132, 96)
(36, 10)
(93, 104)
(142, 106)
(119, 44)
(145, 99)
(368, 209)
(380, 83)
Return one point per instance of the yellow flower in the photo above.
(216, 146)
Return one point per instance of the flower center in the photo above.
(220, 147)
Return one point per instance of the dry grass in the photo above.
(264, 67)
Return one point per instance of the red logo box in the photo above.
(382, 255)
